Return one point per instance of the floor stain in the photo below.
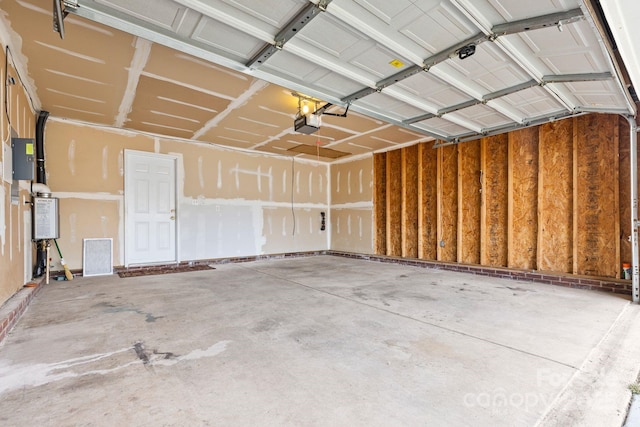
(113, 308)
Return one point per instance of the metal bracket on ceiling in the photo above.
(323, 4)
(570, 78)
(286, 33)
(59, 13)
(538, 22)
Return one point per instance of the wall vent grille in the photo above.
(97, 259)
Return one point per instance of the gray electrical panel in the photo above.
(23, 159)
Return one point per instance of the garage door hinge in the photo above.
(72, 4)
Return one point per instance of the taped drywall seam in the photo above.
(11, 39)
(352, 158)
(138, 62)
(254, 88)
(121, 242)
(244, 203)
(329, 227)
(71, 156)
(203, 144)
(105, 162)
(179, 194)
(354, 205)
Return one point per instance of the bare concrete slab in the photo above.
(319, 341)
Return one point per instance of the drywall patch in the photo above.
(121, 162)
(219, 184)
(71, 157)
(237, 172)
(284, 181)
(200, 172)
(105, 162)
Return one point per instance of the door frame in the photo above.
(174, 159)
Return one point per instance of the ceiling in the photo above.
(223, 71)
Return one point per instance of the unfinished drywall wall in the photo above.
(15, 213)
(229, 203)
(551, 198)
(351, 214)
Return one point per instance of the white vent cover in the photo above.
(97, 259)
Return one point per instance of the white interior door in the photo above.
(150, 208)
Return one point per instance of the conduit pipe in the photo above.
(42, 257)
(633, 155)
(41, 175)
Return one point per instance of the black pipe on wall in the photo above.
(41, 177)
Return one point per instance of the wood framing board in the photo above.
(625, 189)
(555, 197)
(469, 200)
(380, 203)
(410, 201)
(448, 236)
(495, 206)
(523, 198)
(394, 203)
(596, 212)
(427, 202)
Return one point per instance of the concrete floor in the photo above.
(324, 341)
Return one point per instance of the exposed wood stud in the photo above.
(469, 201)
(380, 203)
(410, 201)
(616, 195)
(394, 203)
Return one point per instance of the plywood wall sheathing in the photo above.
(596, 152)
(548, 198)
(394, 203)
(555, 197)
(625, 190)
(469, 200)
(448, 215)
(410, 201)
(380, 203)
(523, 198)
(427, 202)
(495, 206)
